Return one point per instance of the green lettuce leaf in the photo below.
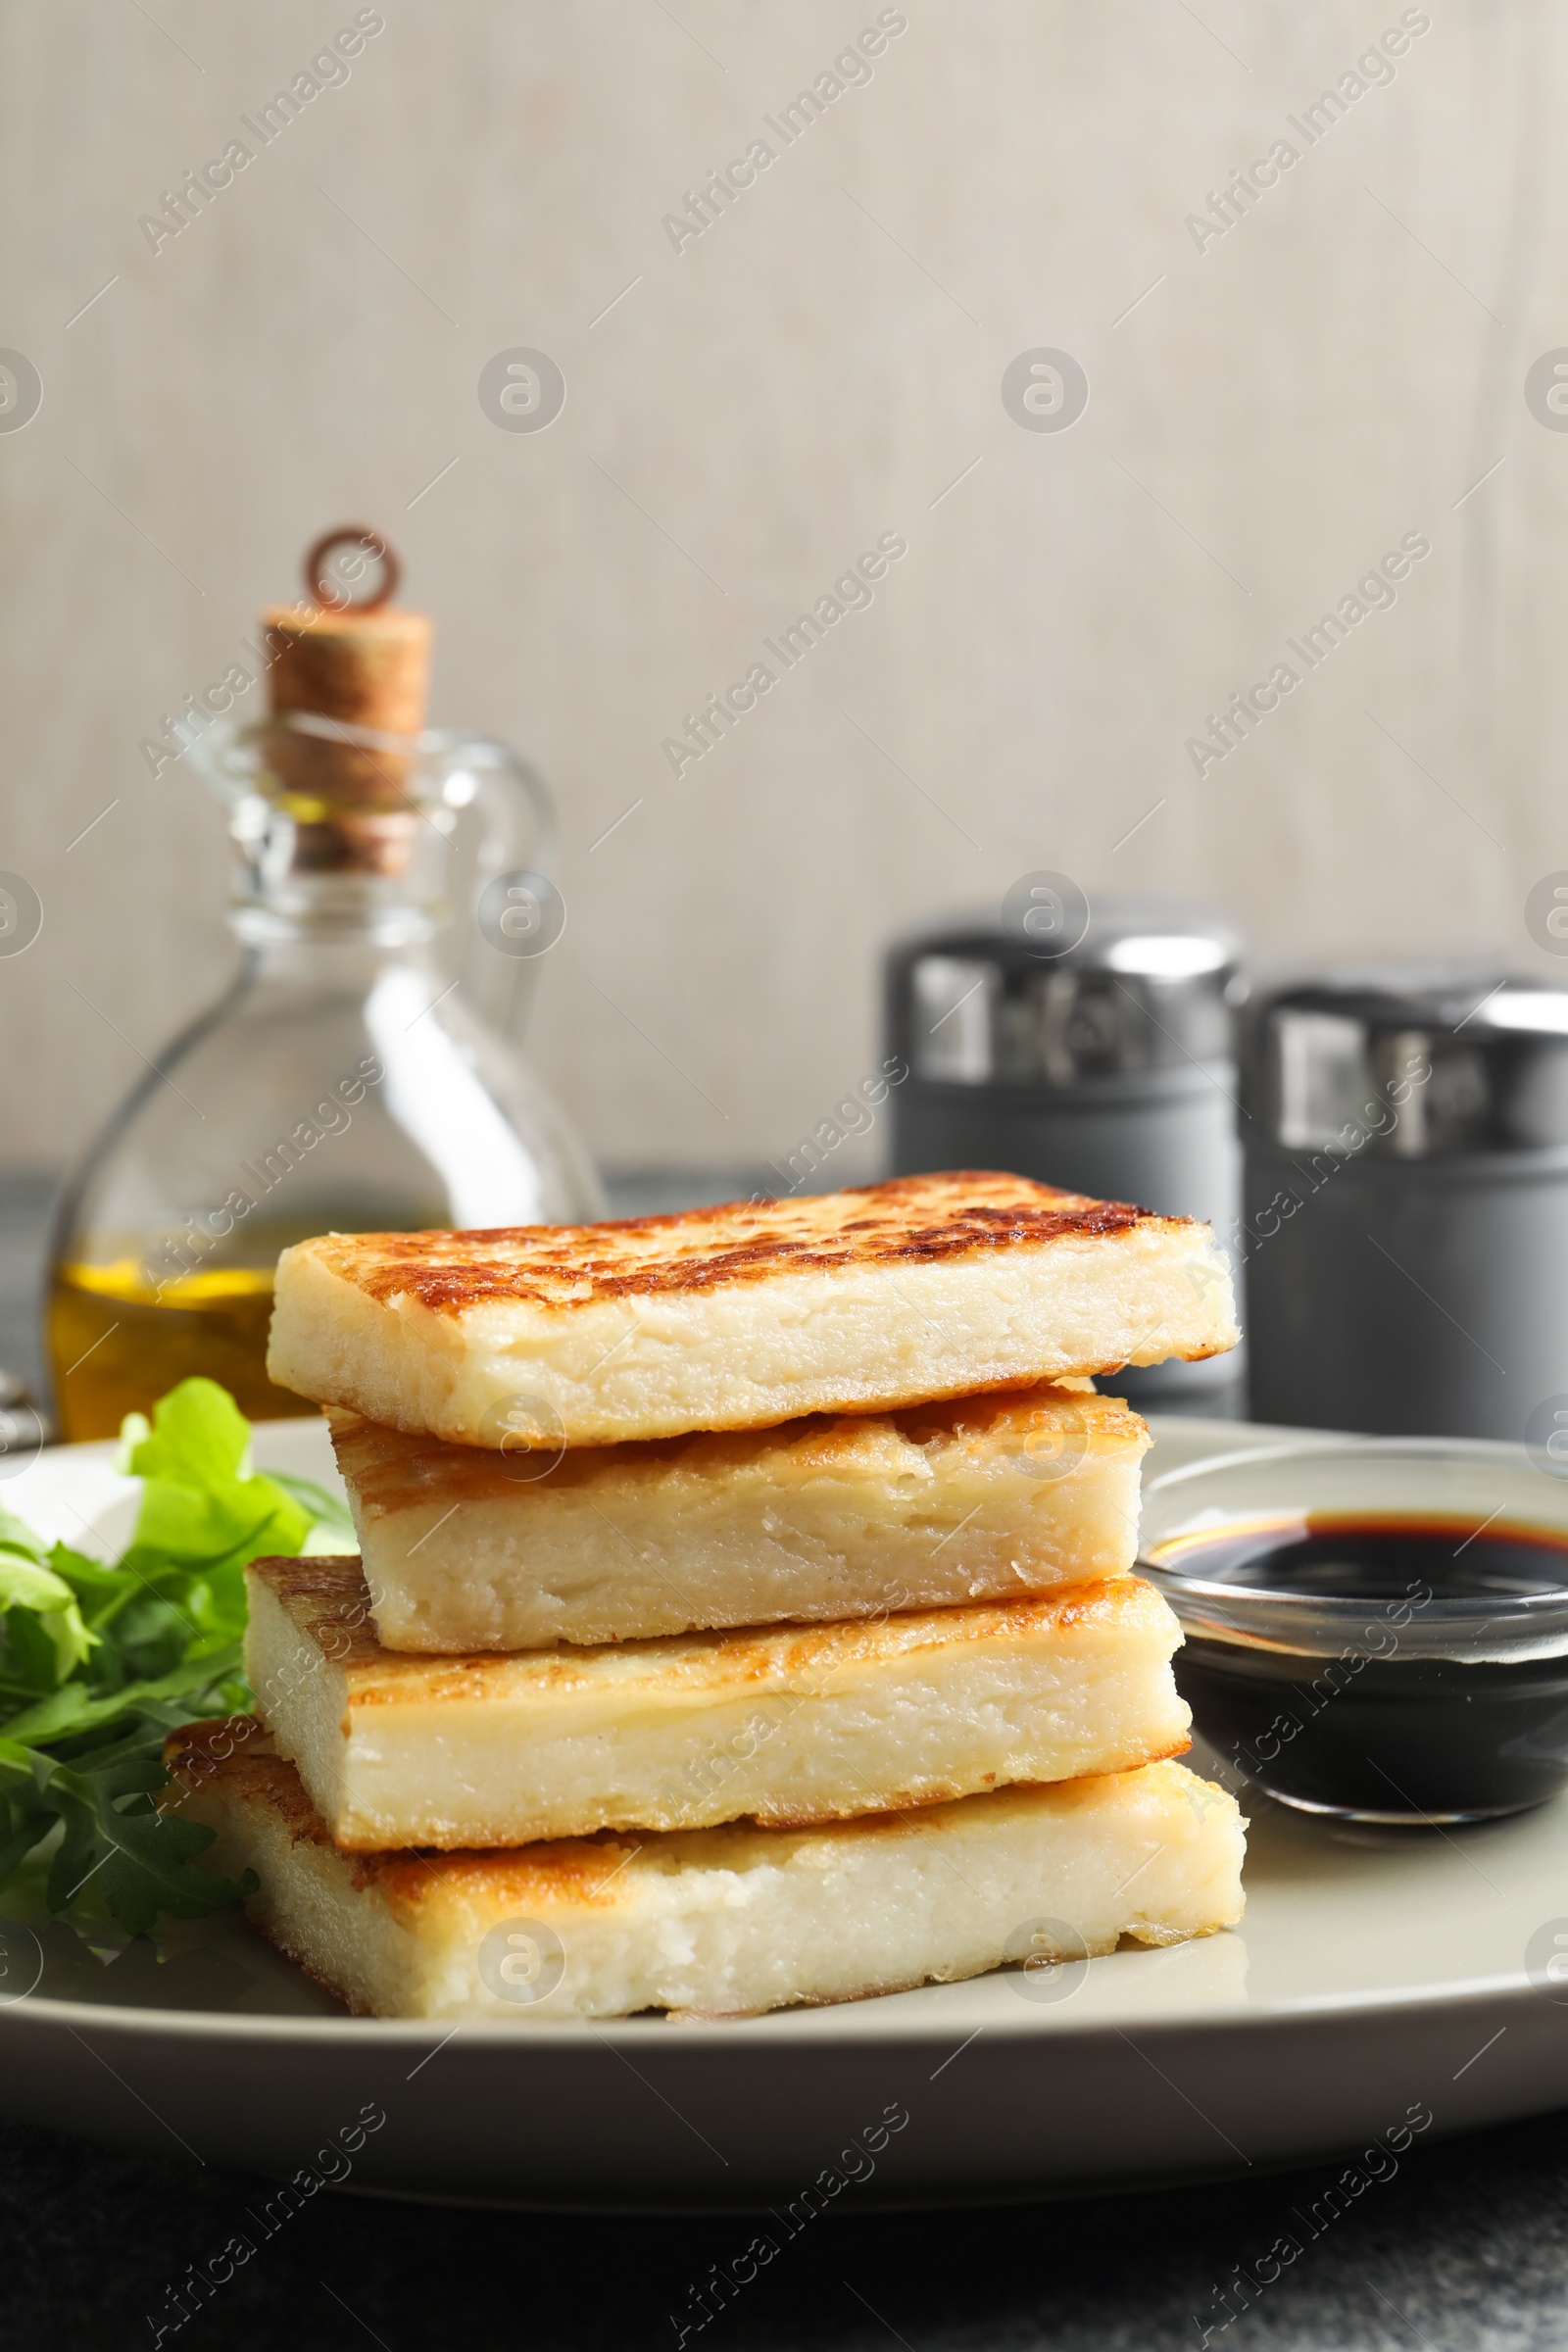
(56, 1641)
(99, 1660)
(203, 1506)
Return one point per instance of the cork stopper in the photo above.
(366, 664)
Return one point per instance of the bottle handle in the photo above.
(519, 833)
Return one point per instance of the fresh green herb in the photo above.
(334, 1529)
(97, 1664)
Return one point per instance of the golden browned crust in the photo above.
(330, 1601)
(236, 1758)
(537, 1880)
(391, 1469)
(914, 1220)
(234, 1755)
(559, 1870)
(237, 1750)
(237, 1755)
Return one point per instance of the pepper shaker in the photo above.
(1106, 1068)
(1406, 1204)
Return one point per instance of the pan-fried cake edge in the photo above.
(830, 1516)
(782, 1724)
(744, 1316)
(715, 1921)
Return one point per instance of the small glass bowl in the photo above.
(1445, 1701)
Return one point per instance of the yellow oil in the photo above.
(117, 1344)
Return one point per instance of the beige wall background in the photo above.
(1268, 416)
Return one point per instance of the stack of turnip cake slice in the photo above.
(742, 1614)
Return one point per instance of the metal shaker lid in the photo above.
(1056, 992)
(1410, 1063)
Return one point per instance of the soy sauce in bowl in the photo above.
(1383, 1663)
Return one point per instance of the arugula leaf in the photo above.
(146, 1857)
(99, 1660)
(72, 1710)
(24, 1817)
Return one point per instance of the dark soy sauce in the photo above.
(1374, 1730)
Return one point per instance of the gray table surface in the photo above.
(1465, 2250)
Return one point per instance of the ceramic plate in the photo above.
(1380, 1985)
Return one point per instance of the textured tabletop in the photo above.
(1465, 2249)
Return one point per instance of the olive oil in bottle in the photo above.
(113, 1338)
(358, 1075)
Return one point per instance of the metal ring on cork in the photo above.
(327, 593)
